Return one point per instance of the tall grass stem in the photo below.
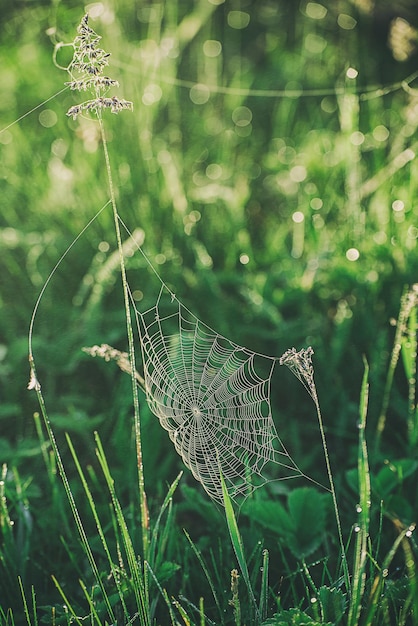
(363, 509)
(131, 347)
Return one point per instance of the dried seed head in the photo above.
(300, 364)
(86, 69)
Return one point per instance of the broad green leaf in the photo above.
(293, 617)
(302, 528)
(392, 475)
(333, 602)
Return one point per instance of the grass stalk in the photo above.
(407, 308)
(74, 619)
(138, 573)
(300, 364)
(262, 607)
(94, 616)
(409, 353)
(379, 581)
(157, 539)
(237, 544)
(131, 346)
(6, 619)
(334, 496)
(68, 491)
(206, 572)
(98, 524)
(363, 508)
(164, 594)
(411, 569)
(25, 604)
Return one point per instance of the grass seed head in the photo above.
(86, 71)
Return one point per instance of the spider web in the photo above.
(213, 398)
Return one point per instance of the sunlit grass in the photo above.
(274, 189)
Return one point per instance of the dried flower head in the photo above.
(300, 364)
(86, 71)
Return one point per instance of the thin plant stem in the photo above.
(333, 494)
(34, 384)
(86, 73)
(408, 302)
(131, 347)
(363, 509)
(99, 526)
(300, 364)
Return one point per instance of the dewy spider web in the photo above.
(213, 398)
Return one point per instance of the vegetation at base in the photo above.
(268, 169)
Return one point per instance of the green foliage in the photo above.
(301, 528)
(253, 169)
(294, 617)
(333, 603)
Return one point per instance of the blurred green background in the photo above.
(269, 165)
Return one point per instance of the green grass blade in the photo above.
(409, 357)
(184, 615)
(163, 594)
(412, 573)
(98, 524)
(131, 347)
(67, 487)
(264, 586)
(362, 528)
(25, 603)
(74, 617)
(379, 582)
(93, 611)
(408, 303)
(35, 616)
(6, 619)
(138, 574)
(237, 541)
(156, 538)
(206, 572)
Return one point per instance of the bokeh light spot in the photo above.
(298, 217)
(351, 73)
(346, 22)
(380, 133)
(298, 173)
(48, 118)
(238, 19)
(398, 205)
(315, 44)
(152, 94)
(199, 94)
(315, 11)
(214, 171)
(352, 254)
(242, 116)
(357, 138)
(212, 48)
(316, 204)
